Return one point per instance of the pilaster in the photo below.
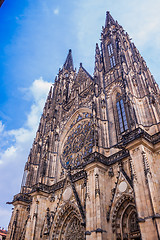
(95, 214)
(143, 192)
(37, 214)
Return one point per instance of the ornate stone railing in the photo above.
(156, 138)
(140, 133)
(48, 189)
(26, 197)
(94, 157)
(21, 197)
(79, 175)
(97, 157)
(117, 156)
(40, 187)
(57, 185)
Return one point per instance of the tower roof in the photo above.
(68, 65)
(109, 19)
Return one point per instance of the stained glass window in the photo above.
(110, 49)
(112, 61)
(110, 53)
(123, 125)
(78, 144)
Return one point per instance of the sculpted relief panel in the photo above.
(74, 230)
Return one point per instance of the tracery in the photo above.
(78, 143)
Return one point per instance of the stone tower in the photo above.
(93, 171)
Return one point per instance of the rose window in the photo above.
(78, 144)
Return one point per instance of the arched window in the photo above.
(123, 125)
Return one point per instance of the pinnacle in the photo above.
(97, 49)
(50, 93)
(109, 19)
(68, 65)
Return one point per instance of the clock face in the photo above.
(78, 144)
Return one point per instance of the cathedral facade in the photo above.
(93, 171)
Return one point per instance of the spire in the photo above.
(109, 19)
(68, 65)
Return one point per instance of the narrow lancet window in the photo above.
(110, 49)
(123, 125)
(111, 56)
(112, 61)
(24, 180)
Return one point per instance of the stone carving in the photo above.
(87, 189)
(52, 197)
(47, 223)
(62, 173)
(97, 189)
(75, 231)
(147, 170)
(133, 172)
(110, 172)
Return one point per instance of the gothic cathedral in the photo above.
(94, 168)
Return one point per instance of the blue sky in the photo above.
(35, 39)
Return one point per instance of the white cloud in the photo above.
(10, 151)
(15, 145)
(56, 11)
(39, 90)
(8, 154)
(21, 139)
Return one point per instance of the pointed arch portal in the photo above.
(124, 221)
(68, 225)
